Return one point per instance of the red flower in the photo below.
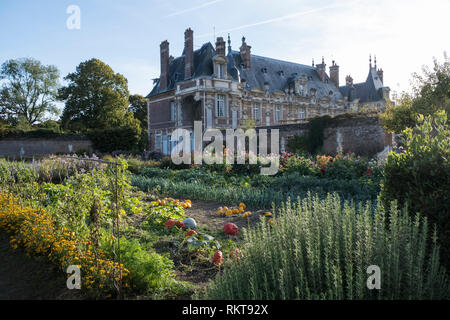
(169, 224)
(322, 170)
(180, 225)
(369, 172)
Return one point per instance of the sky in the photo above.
(403, 34)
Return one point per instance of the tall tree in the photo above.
(28, 90)
(95, 98)
(138, 105)
(431, 92)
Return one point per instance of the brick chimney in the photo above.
(348, 81)
(188, 53)
(380, 74)
(334, 74)
(164, 77)
(245, 53)
(220, 46)
(321, 70)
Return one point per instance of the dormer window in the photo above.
(220, 71)
(281, 73)
(264, 70)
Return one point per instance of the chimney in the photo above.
(220, 46)
(164, 77)
(321, 70)
(348, 81)
(188, 53)
(334, 74)
(380, 74)
(245, 53)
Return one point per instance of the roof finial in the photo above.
(229, 44)
(323, 61)
(243, 39)
(313, 62)
(375, 61)
(370, 60)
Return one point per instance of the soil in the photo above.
(24, 278)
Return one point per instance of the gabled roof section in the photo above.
(368, 91)
(202, 64)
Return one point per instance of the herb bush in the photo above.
(420, 176)
(319, 249)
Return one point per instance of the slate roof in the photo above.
(277, 73)
(367, 91)
(202, 63)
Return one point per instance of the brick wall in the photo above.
(26, 147)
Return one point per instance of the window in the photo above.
(220, 106)
(256, 112)
(277, 114)
(172, 111)
(301, 90)
(158, 142)
(220, 71)
(302, 113)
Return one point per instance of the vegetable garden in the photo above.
(140, 229)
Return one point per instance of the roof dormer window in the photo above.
(264, 70)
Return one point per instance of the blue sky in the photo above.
(404, 35)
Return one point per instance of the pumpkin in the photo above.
(231, 229)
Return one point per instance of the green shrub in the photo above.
(298, 144)
(420, 176)
(121, 138)
(319, 249)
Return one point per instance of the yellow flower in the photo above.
(228, 213)
(268, 214)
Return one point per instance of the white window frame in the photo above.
(221, 106)
(278, 113)
(172, 111)
(158, 141)
(220, 71)
(302, 113)
(257, 111)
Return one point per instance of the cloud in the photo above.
(206, 4)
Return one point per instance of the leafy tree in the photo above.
(95, 98)
(138, 106)
(28, 92)
(431, 92)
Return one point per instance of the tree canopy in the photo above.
(431, 93)
(28, 91)
(95, 98)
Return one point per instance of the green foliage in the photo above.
(319, 249)
(96, 98)
(298, 144)
(112, 139)
(138, 106)
(420, 176)
(258, 192)
(29, 91)
(315, 133)
(431, 92)
(150, 273)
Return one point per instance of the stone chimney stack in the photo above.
(220, 46)
(164, 77)
(348, 81)
(245, 53)
(380, 74)
(321, 70)
(334, 74)
(188, 53)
